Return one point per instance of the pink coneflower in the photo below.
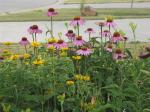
(106, 33)
(34, 29)
(84, 51)
(90, 31)
(125, 38)
(118, 54)
(70, 35)
(78, 41)
(77, 21)
(24, 41)
(116, 37)
(50, 44)
(110, 22)
(101, 24)
(1, 58)
(60, 44)
(51, 12)
(109, 48)
(147, 49)
(144, 56)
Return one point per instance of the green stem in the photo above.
(51, 26)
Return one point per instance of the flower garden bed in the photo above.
(98, 75)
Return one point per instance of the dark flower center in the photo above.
(116, 34)
(148, 49)
(77, 18)
(109, 20)
(79, 38)
(110, 46)
(60, 41)
(51, 42)
(89, 29)
(70, 31)
(84, 48)
(1, 58)
(118, 51)
(24, 39)
(51, 10)
(144, 56)
(125, 38)
(106, 31)
(34, 27)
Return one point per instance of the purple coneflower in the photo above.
(116, 37)
(60, 44)
(1, 58)
(78, 41)
(84, 51)
(144, 56)
(51, 12)
(109, 48)
(101, 24)
(110, 22)
(147, 49)
(125, 38)
(24, 41)
(118, 54)
(77, 21)
(34, 29)
(106, 33)
(90, 31)
(70, 35)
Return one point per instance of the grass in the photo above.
(104, 1)
(68, 14)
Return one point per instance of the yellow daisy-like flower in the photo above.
(64, 49)
(52, 40)
(35, 44)
(76, 57)
(78, 77)
(14, 57)
(7, 43)
(26, 56)
(51, 48)
(6, 51)
(63, 54)
(86, 78)
(38, 62)
(70, 82)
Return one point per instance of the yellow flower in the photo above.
(51, 48)
(14, 57)
(64, 49)
(26, 56)
(76, 57)
(38, 62)
(63, 54)
(70, 82)
(6, 51)
(86, 78)
(78, 77)
(35, 44)
(7, 43)
(52, 40)
(82, 77)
